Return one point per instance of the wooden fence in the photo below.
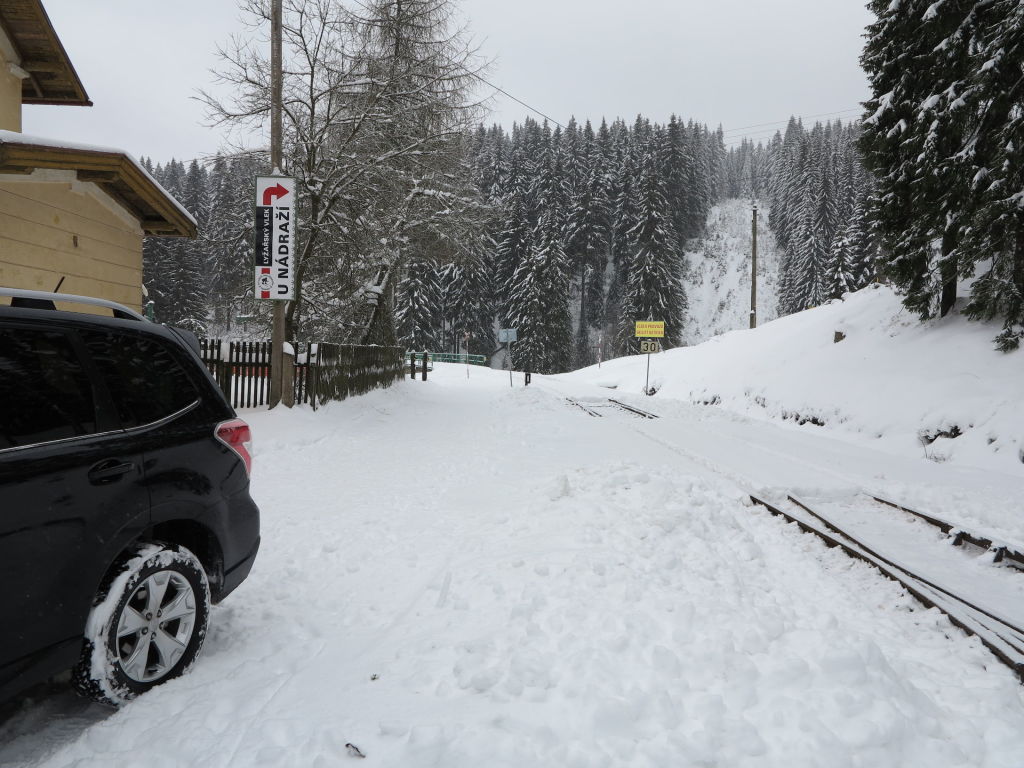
(322, 372)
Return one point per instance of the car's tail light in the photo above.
(237, 436)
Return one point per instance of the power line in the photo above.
(758, 135)
(800, 117)
(520, 101)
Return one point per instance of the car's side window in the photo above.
(145, 381)
(45, 393)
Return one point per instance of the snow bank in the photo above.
(937, 389)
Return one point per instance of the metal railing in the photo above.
(449, 357)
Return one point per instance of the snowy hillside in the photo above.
(718, 273)
(937, 390)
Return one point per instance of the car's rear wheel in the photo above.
(147, 625)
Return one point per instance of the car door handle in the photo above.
(108, 471)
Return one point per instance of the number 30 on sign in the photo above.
(649, 347)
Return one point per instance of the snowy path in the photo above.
(462, 574)
(766, 454)
(835, 476)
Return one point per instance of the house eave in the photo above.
(116, 173)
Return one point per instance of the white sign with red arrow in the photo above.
(275, 238)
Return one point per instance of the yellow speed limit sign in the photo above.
(650, 329)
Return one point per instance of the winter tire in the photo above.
(147, 625)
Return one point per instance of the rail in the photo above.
(1004, 639)
(591, 408)
(1000, 552)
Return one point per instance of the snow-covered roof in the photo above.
(115, 171)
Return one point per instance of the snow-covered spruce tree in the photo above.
(851, 261)
(861, 229)
(587, 231)
(701, 182)
(229, 244)
(174, 270)
(804, 284)
(944, 138)
(819, 203)
(625, 216)
(418, 307)
(193, 281)
(466, 298)
(815, 181)
(538, 303)
(155, 249)
(626, 207)
(675, 171)
(513, 245)
(995, 239)
(787, 169)
(652, 287)
(546, 193)
(841, 269)
(918, 64)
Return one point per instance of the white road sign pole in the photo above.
(508, 335)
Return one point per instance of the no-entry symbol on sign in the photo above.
(275, 238)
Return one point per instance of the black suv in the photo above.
(124, 498)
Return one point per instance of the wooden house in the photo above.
(70, 213)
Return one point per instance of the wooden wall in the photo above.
(10, 99)
(50, 229)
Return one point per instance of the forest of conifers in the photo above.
(571, 233)
(577, 232)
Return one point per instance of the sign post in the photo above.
(275, 238)
(508, 335)
(279, 391)
(647, 330)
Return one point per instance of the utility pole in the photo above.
(753, 271)
(277, 333)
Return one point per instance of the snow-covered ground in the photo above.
(463, 573)
(936, 390)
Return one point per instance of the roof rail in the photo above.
(44, 296)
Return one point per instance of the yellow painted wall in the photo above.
(10, 97)
(48, 229)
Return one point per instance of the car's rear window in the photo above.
(145, 380)
(45, 393)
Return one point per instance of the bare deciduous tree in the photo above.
(377, 101)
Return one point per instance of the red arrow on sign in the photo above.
(271, 192)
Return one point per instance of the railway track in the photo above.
(1001, 553)
(1002, 636)
(594, 409)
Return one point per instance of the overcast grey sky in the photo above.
(734, 62)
